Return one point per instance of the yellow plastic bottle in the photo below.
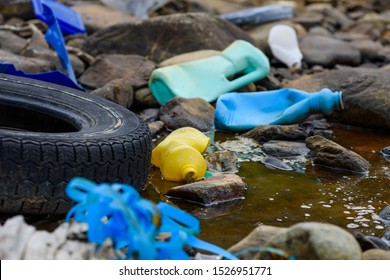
(180, 162)
(179, 155)
(188, 135)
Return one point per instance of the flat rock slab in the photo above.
(27, 64)
(211, 191)
(330, 154)
(285, 149)
(159, 38)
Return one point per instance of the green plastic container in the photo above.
(238, 65)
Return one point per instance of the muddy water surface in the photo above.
(284, 198)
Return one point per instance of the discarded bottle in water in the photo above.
(179, 155)
(238, 65)
(283, 42)
(244, 111)
(259, 15)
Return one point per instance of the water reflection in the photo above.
(307, 193)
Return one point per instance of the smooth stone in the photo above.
(368, 242)
(17, 8)
(332, 155)
(11, 42)
(149, 115)
(315, 241)
(369, 49)
(212, 190)
(144, 98)
(134, 68)
(119, 91)
(266, 133)
(27, 64)
(285, 149)
(327, 52)
(275, 163)
(156, 128)
(257, 238)
(376, 254)
(193, 112)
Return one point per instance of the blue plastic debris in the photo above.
(69, 20)
(56, 77)
(259, 15)
(244, 111)
(135, 224)
(54, 35)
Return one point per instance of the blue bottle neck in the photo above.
(325, 101)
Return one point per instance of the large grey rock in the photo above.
(366, 95)
(211, 191)
(330, 154)
(327, 51)
(194, 112)
(163, 37)
(134, 68)
(316, 241)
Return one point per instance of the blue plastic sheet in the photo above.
(119, 213)
(56, 77)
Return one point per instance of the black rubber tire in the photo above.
(50, 134)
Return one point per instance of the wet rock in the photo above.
(12, 42)
(309, 19)
(222, 162)
(144, 98)
(134, 68)
(96, 17)
(285, 149)
(177, 34)
(365, 95)
(317, 125)
(218, 210)
(213, 190)
(119, 91)
(370, 242)
(193, 112)
(275, 163)
(370, 50)
(17, 8)
(316, 241)
(156, 128)
(149, 115)
(29, 65)
(186, 57)
(330, 154)
(384, 215)
(327, 52)
(255, 239)
(20, 241)
(376, 254)
(266, 133)
(386, 154)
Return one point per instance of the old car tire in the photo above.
(50, 134)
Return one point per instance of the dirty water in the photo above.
(307, 193)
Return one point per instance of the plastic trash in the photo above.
(283, 42)
(54, 35)
(119, 213)
(179, 155)
(138, 8)
(238, 65)
(56, 77)
(69, 20)
(259, 15)
(244, 111)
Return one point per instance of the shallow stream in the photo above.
(283, 198)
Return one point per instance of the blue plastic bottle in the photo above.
(244, 111)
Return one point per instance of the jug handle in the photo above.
(246, 79)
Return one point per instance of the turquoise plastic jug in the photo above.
(238, 65)
(244, 111)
